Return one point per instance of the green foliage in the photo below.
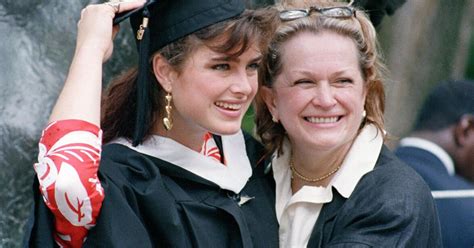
(248, 122)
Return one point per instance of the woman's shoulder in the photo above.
(117, 150)
(391, 171)
(391, 206)
(116, 153)
(123, 165)
(393, 179)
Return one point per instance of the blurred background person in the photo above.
(441, 150)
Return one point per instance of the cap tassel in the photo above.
(143, 99)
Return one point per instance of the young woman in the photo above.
(176, 170)
(320, 113)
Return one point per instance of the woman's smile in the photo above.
(322, 120)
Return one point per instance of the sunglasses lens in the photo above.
(288, 15)
(337, 12)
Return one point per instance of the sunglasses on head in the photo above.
(332, 12)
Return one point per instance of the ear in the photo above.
(464, 130)
(268, 96)
(165, 74)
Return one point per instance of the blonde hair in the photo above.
(358, 28)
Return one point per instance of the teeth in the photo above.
(228, 105)
(322, 119)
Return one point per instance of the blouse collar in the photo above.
(360, 160)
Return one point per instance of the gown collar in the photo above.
(233, 176)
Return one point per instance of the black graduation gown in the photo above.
(391, 206)
(152, 203)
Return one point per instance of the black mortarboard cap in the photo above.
(162, 22)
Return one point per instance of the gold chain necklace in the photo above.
(307, 179)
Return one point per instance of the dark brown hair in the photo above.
(358, 28)
(232, 37)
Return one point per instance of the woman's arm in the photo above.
(80, 97)
(68, 161)
(70, 146)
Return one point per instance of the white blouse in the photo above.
(297, 213)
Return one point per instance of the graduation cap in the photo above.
(160, 22)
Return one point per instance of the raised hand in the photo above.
(95, 29)
(80, 97)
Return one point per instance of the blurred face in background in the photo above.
(464, 154)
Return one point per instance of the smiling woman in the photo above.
(225, 85)
(320, 113)
(326, 91)
(176, 168)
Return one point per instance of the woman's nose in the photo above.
(324, 96)
(242, 83)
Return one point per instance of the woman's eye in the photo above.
(304, 81)
(344, 81)
(221, 67)
(253, 66)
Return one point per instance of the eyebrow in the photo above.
(223, 58)
(339, 73)
(260, 57)
(234, 58)
(309, 73)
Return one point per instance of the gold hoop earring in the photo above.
(167, 120)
